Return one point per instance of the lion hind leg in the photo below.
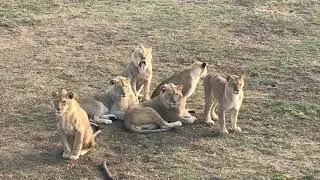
(213, 113)
(148, 126)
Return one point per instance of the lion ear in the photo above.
(71, 95)
(228, 78)
(163, 88)
(180, 87)
(242, 77)
(54, 94)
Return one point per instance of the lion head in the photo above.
(62, 101)
(142, 57)
(236, 83)
(121, 86)
(201, 67)
(171, 95)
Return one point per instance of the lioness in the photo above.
(112, 103)
(189, 78)
(73, 123)
(139, 70)
(152, 115)
(227, 94)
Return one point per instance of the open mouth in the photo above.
(142, 65)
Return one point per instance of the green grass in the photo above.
(80, 45)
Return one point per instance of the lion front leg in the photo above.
(134, 87)
(146, 90)
(77, 146)
(222, 121)
(66, 148)
(234, 118)
(103, 119)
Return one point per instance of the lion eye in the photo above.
(64, 102)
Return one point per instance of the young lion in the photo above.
(152, 115)
(188, 77)
(112, 103)
(73, 123)
(139, 70)
(227, 94)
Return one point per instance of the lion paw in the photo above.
(215, 116)
(179, 123)
(66, 155)
(237, 129)
(107, 121)
(224, 131)
(73, 157)
(210, 122)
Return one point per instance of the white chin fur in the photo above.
(173, 105)
(58, 114)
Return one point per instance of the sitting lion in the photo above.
(139, 70)
(112, 103)
(227, 94)
(76, 133)
(160, 113)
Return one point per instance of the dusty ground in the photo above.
(80, 45)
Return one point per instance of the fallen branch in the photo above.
(107, 172)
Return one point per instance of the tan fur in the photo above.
(76, 133)
(160, 113)
(189, 78)
(140, 77)
(226, 95)
(112, 103)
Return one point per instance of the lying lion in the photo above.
(112, 103)
(160, 113)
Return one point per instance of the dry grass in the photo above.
(80, 45)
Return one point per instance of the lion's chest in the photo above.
(144, 74)
(233, 102)
(66, 126)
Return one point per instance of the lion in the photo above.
(139, 70)
(189, 78)
(227, 95)
(112, 103)
(76, 133)
(160, 113)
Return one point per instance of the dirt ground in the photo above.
(80, 45)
